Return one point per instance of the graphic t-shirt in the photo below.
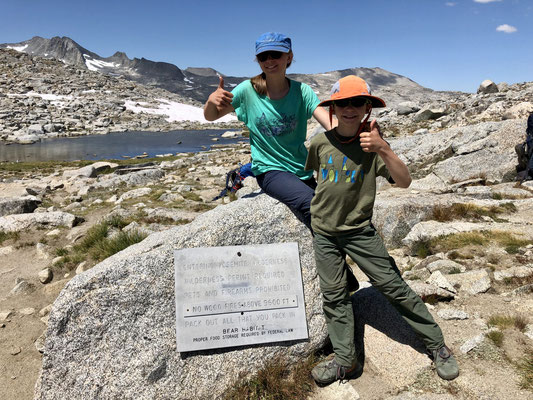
(346, 190)
(278, 128)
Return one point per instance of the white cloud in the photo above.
(506, 28)
(450, 4)
(485, 1)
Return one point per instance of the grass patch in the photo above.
(94, 235)
(493, 259)
(191, 196)
(106, 248)
(69, 261)
(459, 240)
(447, 243)
(508, 321)
(525, 368)
(457, 255)
(276, 381)
(24, 244)
(496, 337)
(61, 252)
(117, 222)
(471, 211)
(156, 194)
(423, 248)
(96, 244)
(8, 235)
(519, 281)
(45, 167)
(509, 242)
(164, 220)
(201, 207)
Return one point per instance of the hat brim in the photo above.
(272, 48)
(376, 101)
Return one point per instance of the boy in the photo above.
(347, 161)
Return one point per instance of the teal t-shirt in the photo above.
(278, 128)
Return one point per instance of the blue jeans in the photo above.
(291, 191)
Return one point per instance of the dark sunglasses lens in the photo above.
(275, 55)
(354, 101)
(342, 103)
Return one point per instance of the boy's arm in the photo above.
(219, 103)
(373, 142)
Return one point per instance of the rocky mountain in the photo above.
(54, 87)
(43, 97)
(198, 83)
(194, 83)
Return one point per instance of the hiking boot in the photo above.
(353, 283)
(445, 363)
(329, 371)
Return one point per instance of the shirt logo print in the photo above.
(276, 127)
(329, 172)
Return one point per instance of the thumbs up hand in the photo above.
(220, 98)
(372, 141)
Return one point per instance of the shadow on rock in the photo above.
(372, 308)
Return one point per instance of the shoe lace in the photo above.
(341, 373)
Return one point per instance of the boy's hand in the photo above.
(220, 98)
(372, 142)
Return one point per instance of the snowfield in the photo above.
(175, 111)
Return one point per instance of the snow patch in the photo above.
(55, 99)
(95, 65)
(44, 96)
(18, 48)
(174, 111)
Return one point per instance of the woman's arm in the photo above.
(373, 142)
(322, 116)
(219, 103)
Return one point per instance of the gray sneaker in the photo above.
(329, 371)
(445, 363)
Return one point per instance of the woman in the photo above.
(275, 109)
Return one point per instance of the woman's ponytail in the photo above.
(259, 83)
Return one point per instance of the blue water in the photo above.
(114, 146)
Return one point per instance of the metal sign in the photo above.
(238, 295)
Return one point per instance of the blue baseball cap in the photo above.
(272, 41)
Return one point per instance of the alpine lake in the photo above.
(116, 146)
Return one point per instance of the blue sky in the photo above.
(443, 45)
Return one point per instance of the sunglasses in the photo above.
(275, 55)
(354, 101)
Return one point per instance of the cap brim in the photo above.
(272, 48)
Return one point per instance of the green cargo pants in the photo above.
(366, 248)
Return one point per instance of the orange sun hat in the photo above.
(352, 86)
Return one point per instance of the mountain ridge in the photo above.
(198, 82)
